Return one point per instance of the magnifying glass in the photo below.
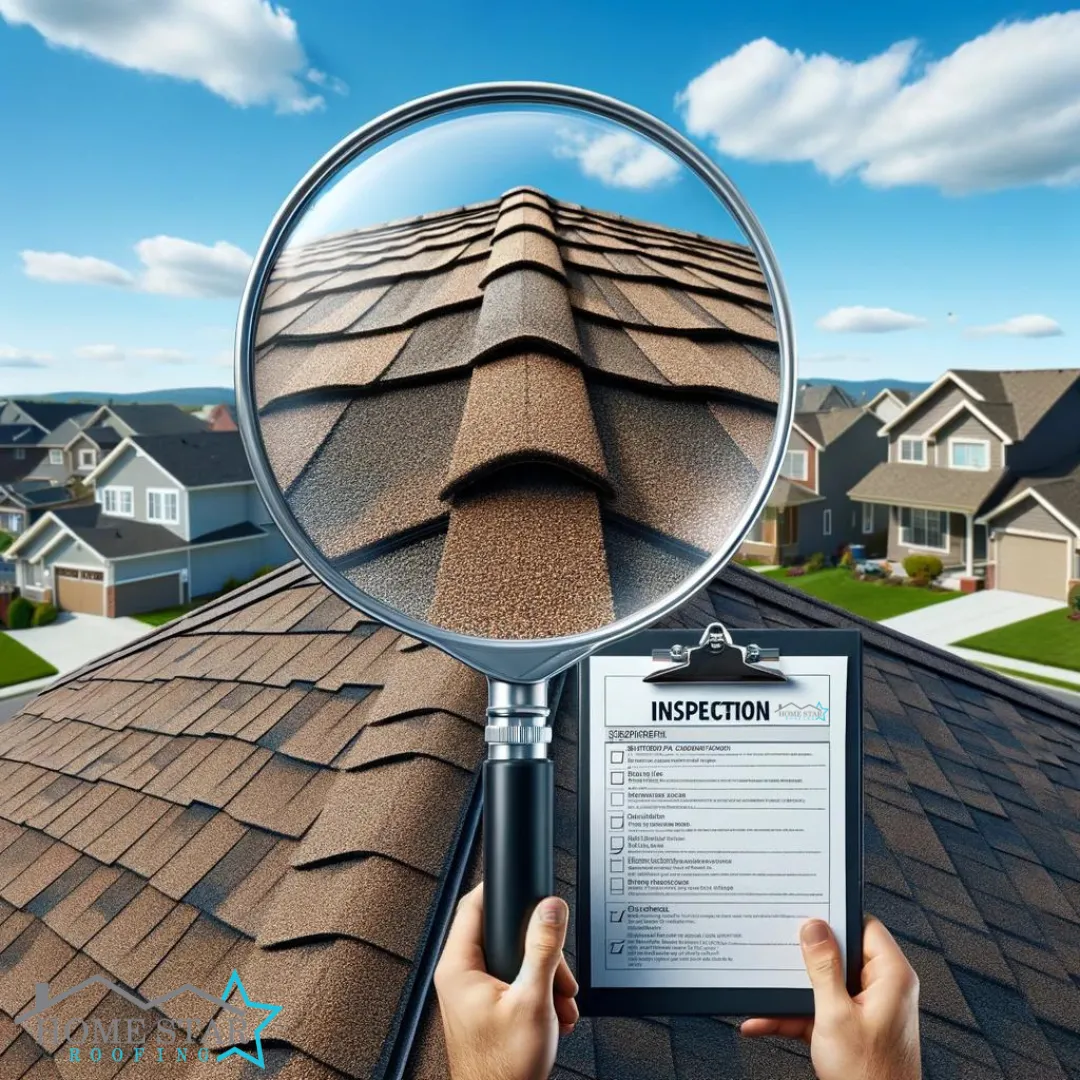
(515, 372)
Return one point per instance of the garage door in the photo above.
(150, 594)
(1031, 564)
(80, 590)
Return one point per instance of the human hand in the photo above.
(505, 1031)
(873, 1036)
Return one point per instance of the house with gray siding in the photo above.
(809, 509)
(955, 455)
(174, 517)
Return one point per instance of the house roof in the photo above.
(33, 494)
(20, 435)
(523, 364)
(12, 469)
(105, 437)
(1059, 485)
(279, 786)
(199, 459)
(788, 493)
(50, 414)
(935, 487)
(1017, 400)
(118, 537)
(157, 419)
(812, 396)
(827, 426)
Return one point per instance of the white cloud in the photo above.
(1002, 110)
(867, 320)
(618, 159)
(100, 354)
(1029, 326)
(834, 358)
(163, 356)
(85, 269)
(328, 82)
(170, 266)
(246, 51)
(12, 357)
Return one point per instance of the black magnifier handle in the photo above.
(519, 868)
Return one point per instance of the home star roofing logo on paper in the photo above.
(168, 1039)
(791, 711)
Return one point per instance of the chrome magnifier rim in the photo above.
(512, 660)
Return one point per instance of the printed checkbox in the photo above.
(618, 777)
(617, 757)
(617, 947)
(618, 798)
(618, 865)
(618, 885)
(618, 914)
(617, 821)
(616, 845)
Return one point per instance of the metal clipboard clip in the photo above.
(716, 659)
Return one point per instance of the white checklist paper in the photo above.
(717, 823)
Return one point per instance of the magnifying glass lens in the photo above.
(516, 373)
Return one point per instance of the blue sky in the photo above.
(915, 168)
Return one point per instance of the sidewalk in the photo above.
(966, 616)
(993, 660)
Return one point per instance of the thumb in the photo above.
(821, 954)
(544, 941)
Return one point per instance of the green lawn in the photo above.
(870, 599)
(18, 664)
(1050, 639)
(159, 618)
(1014, 673)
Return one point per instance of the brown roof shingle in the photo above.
(931, 486)
(440, 370)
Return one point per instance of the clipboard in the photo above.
(700, 813)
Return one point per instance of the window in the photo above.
(969, 454)
(796, 465)
(756, 535)
(788, 525)
(20, 453)
(826, 523)
(87, 459)
(924, 528)
(56, 457)
(913, 449)
(163, 505)
(867, 518)
(118, 501)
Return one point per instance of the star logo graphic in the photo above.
(823, 710)
(234, 983)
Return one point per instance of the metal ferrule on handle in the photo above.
(519, 794)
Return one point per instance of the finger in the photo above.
(789, 1027)
(821, 954)
(883, 959)
(544, 940)
(565, 983)
(566, 1010)
(464, 950)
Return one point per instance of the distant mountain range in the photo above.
(187, 395)
(867, 390)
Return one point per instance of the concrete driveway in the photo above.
(944, 624)
(75, 639)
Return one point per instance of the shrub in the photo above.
(1074, 598)
(263, 571)
(815, 562)
(230, 584)
(847, 560)
(43, 615)
(795, 571)
(20, 612)
(923, 567)
(6, 540)
(893, 581)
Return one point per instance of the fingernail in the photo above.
(814, 932)
(553, 912)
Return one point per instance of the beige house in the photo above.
(956, 454)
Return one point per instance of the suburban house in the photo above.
(822, 397)
(175, 517)
(954, 454)
(77, 445)
(24, 501)
(889, 403)
(809, 509)
(277, 785)
(220, 417)
(24, 425)
(1035, 533)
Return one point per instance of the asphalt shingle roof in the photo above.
(811, 397)
(51, 414)
(1059, 485)
(199, 458)
(904, 484)
(1017, 400)
(20, 435)
(158, 419)
(827, 426)
(278, 785)
(420, 382)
